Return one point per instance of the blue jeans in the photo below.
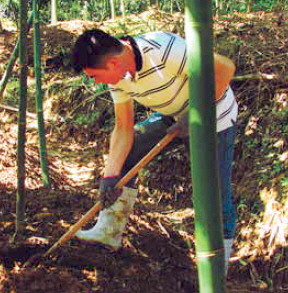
(153, 129)
(225, 156)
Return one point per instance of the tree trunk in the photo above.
(217, 4)
(53, 11)
(154, 3)
(223, 5)
(112, 9)
(122, 8)
(203, 147)
(249, 8)
(106, 5)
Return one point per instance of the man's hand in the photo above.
(181, 125)
(109, 193)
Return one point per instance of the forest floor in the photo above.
(158, 253)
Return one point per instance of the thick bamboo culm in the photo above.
(203, 147)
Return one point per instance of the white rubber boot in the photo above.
(112, 221)
(227, 250)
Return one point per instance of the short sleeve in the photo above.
(119, 95)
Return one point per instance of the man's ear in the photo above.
(112, 63)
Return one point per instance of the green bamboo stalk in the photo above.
(21, 139)
(204, 163)
(12, 61)
(39, 102)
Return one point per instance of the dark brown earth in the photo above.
(158, 253)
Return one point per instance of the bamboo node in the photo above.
(211, 253)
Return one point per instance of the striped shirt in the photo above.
(161, 81)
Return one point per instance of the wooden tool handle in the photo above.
(145, 160)
(90, 214)
(73, 229)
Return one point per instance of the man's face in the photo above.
(111, 74)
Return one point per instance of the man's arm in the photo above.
(121, 138)
(224, 71)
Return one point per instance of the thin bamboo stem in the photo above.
(12, 61)
(39, 102)
(21, 174)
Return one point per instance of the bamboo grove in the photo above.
(105, 9)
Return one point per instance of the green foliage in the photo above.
(83, 119)
(12, 94)
(99, 10)
(10, 9)
(242, 5)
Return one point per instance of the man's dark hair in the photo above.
(92, 48)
